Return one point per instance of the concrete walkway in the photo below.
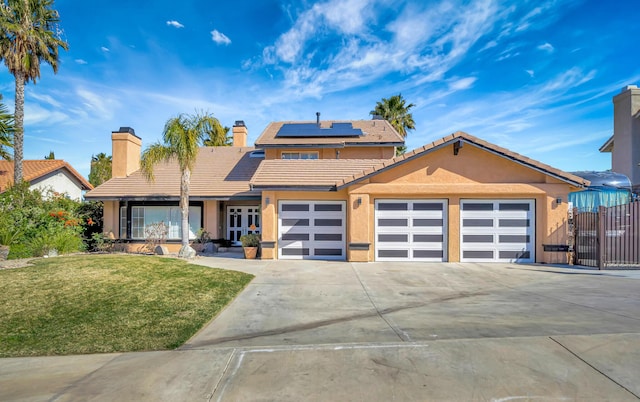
(379, 332)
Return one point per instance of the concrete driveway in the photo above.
(380, 331)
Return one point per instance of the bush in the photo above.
(17, 251)
(33, 223)
(250, 240)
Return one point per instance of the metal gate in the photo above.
(609, 238)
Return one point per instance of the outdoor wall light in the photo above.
(559, 200)
(359, 201)
(267, 201)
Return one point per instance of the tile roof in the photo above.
(278, 173)
(35, 169)
(468, 138)
(378, 132)
(220, 172)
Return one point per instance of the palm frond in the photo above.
(153, 155)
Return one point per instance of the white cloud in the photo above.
(323, 53)
(96, 104)
(546, 47)
(104, 49)
(80, 61)
(530, 72)
(48, 99)
(462, 84)
(220, 38)
(175, 24)
(35, 114)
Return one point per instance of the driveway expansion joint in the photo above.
(593, 367)
(400, 333)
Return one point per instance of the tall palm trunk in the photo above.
(18, 136)
(184, 209)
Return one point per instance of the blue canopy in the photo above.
(589, 200)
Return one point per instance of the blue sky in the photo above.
(536, 77)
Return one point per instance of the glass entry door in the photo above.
(242, 220)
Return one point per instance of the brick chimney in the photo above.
(240, 133)
(125, 152)
(626, 134)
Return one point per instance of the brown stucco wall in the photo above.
(332, 153)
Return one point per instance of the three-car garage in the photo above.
(491, 230)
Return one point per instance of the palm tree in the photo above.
(51, 155)
(219, 136)
(100, 169)
(6, 131)
(182, 137)
(396, 111)
(29, 34)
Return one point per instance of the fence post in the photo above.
(602, 237)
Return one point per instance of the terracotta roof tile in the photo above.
(219, 172)
(375, 132)
(35, 169)
(317, 172)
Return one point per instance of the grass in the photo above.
(108, 303)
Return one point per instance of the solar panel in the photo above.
(306, 130)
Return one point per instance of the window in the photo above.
(299, 155)
(123, 222)
(143, 216)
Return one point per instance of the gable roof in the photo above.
(375, 133)
(335, 174)
(219, 172)
(607, 146)
(36, 169)
(463, 137)
(319, 174)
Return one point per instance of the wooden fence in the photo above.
(609, 238)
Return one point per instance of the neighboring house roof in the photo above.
(314, 173)
(607, 146)
(469, 139)
(219, 172)
(335, 174)
(32, 170)
(375, 133)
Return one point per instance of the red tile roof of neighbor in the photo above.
(35, 169)
(219, 172)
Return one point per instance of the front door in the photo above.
(242, 220)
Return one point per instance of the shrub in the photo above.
(17, 251)
(34, 223)
(250, 240)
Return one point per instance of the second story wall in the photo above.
(382, 152)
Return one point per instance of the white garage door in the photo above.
(410, 230)
(497, 230)
(311, 230)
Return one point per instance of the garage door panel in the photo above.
(497, 230)
(312, 229)
(410, 230)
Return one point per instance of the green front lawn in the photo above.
(108, 303)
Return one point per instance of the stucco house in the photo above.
(624, 144)
(336, 190)
(48, 174)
